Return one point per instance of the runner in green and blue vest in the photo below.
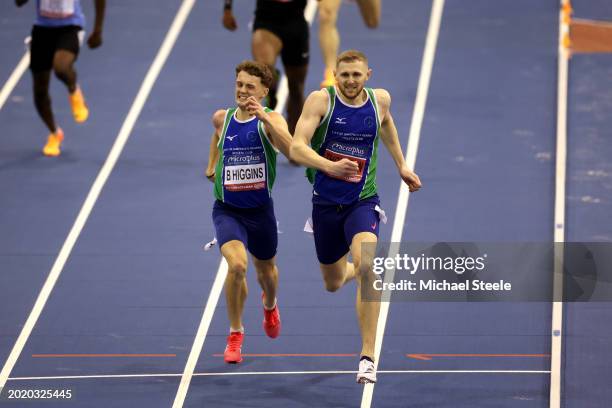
(343, 125)
(55, 46)
(242, 164)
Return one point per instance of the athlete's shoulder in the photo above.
(317, 101)
(218, 118)
(383, 97)
(319, 96)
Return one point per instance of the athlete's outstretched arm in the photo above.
(276, 125)
(313, 111)
(213, 152)
(390, 138)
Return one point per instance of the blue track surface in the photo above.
(484, 154)
(137, 280)
(588, 364)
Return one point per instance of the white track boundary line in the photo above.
(559, 220)
(96, 188)
(213, 298)
(411, 154)
(198, 343)
(14, 78)
(241, 373)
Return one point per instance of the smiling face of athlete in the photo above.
(248, 85)
(351, 77)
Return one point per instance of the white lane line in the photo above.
(559, 218)
(14, 78)
(96, 188)
(213, 298)
(198, 343)
(240, 373)
(411, 153)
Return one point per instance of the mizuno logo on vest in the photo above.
(340, 121)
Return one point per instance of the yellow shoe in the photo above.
(329, 79)
(79, 108)
(54, 141)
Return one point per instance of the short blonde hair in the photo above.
(351, 56)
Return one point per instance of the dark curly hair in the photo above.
(256, 69)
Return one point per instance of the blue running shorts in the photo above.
(335, 225)
(254, 227)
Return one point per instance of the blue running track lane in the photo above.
(587, 342)
(40, 196)
(314, 321)
(485, 161)
(105, 300)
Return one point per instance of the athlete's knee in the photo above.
(333, 285)
(262, 53)
(327, 15)
(62, 70)
(237, 268)
(265, 271)
(333, 282)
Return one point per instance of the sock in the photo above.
(270, 308)
(366, 358)
(240, 330)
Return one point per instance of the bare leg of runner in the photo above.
(63, 67)
(370, 11)
(367, 311)
(296, 76)
(267, 276)
(42, 99)
(265, 47)
(235, 283)
(337, 274)
(329, 39)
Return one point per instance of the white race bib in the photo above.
(245, 178)
(57, 8)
